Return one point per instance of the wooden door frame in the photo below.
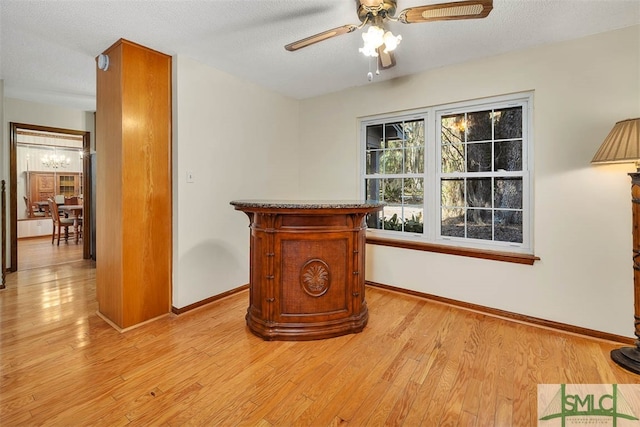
(13, 186)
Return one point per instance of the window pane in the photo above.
(452, 192)
(479, 157)
(392, 218)
(414, 134)
(413, 205)
(414, 160)
(414, 219)
(453, 128)
(392, 191)
(373, 161)
(374, 220)
(394, 132)
(479, 224)
(392, 161)
(452, 222)
(374, 137)
(393, 144)
(413, 191)
(479, 126)
(479, 192)
(508, 193)
(373, 189)
(508, 156)
(453, 158)
(508, 226)
(508, 123)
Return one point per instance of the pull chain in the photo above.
(370, 74)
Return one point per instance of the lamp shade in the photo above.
(622, 145)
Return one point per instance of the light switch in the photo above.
(190, 178)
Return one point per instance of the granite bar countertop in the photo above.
(308, 204)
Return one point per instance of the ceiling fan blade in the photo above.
(320, 37)
(469, 9)
(385, 59)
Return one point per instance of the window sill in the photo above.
(456, 250)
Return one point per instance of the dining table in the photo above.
(74, 211)
(41, 205)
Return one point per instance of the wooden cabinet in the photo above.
(69, 184)
(133, 186)
(44, 185)
(306, 268)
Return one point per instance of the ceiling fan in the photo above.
(377, 12)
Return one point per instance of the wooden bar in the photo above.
(306, 268)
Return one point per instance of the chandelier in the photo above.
(55, 161)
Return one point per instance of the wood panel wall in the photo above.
(133, 149)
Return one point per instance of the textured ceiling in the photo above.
(47, 48)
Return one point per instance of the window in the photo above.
(395, 173)
(453, 174)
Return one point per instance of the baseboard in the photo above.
(536, 321)
(564, 327)
(209, 300)
(42, 236)
(128, 328)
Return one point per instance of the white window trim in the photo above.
(432, 211)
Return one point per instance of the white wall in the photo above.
(582, 229)
(33, 113)
(240, 142)
(34, 227)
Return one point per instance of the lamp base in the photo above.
(628, 358)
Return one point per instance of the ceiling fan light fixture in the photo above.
(391, 42)
(375, 37)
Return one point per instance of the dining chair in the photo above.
(79, 225)
(33, 211)
(59, 223)
(73, 200)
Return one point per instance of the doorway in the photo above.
(55, 157)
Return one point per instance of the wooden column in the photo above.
(133, 189)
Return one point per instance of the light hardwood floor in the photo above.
(417, 363)
(39, 252)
